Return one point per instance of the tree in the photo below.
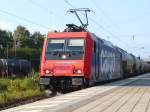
(5, 38)
(6, 42)
(22, 36)
(37, 40)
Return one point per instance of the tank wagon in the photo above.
(14, 66)
(137, 65)
(127, 63)
(80, 58)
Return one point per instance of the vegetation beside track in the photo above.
(20, 44)
(14, 90)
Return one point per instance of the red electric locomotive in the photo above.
(65, 59)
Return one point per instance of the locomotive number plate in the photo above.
(62, 71)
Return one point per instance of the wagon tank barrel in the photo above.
(15, 66)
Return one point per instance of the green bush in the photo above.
(12, 90)
(4, 84)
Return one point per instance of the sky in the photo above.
(125, 23)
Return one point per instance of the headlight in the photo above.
(78, 71)
(47, 71)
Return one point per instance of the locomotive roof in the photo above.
(67, 34)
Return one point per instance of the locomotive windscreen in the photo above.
(65, 49)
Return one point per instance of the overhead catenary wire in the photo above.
(23, 19)
(102, 27)
(108, 18)
(114, 25)
(104, 14)
(40, 6)
(99, 25)
(51, 13)
(95, 22)
(67, 2)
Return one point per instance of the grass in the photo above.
(17, 89)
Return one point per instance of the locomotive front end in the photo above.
(62, 62)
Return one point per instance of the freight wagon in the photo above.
(19, 67)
